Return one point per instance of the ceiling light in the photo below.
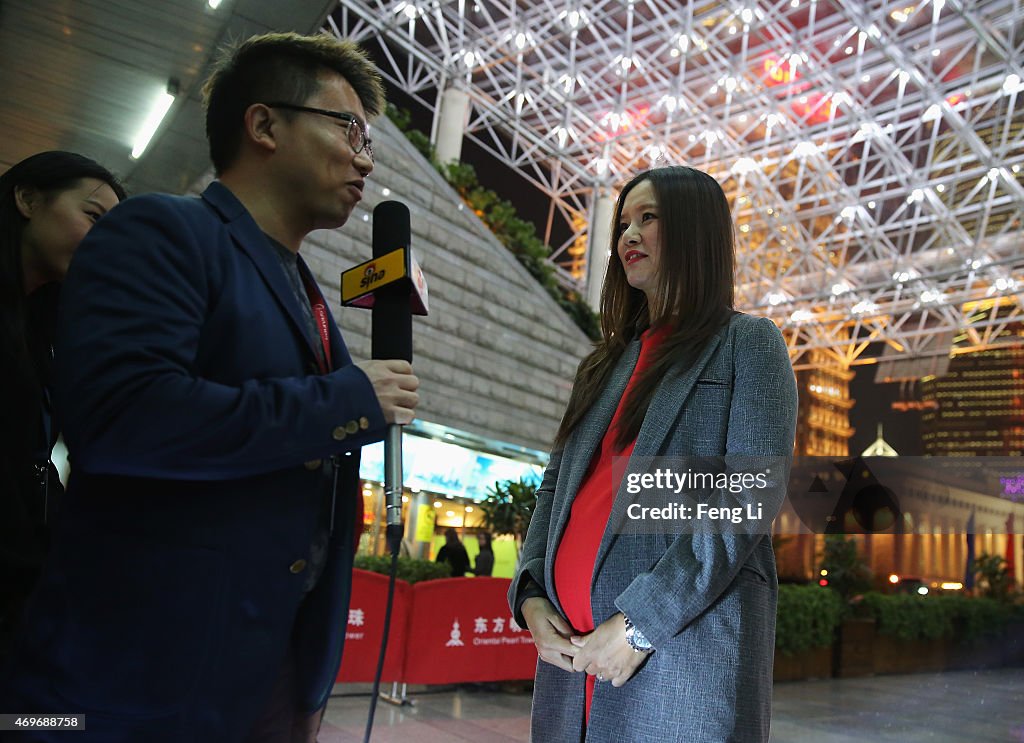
(744, 165)
(805, 149)
(1012, 84)
(214, 4)
(156, 115)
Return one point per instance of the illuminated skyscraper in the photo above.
(823, 423)
(979, 404)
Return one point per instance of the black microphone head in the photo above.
(391, 333)
(391, 229)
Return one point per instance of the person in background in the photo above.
(48, 202)
(679, 626)
(199, 584)
(454, 553)
(484, 565)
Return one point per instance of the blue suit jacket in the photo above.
(201, 437)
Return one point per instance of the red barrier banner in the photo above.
(460, 630)
(366, 629)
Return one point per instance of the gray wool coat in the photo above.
(706, 601)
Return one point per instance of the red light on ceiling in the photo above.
(779, 72)
(815, 109)
(954, 99)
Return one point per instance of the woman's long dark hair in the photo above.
(694, 294)
(49, 173)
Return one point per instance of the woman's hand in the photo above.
(606, 654)
(551, 634)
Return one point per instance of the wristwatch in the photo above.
(636, 639)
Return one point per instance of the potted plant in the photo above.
(508, 509)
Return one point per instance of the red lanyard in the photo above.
(316, 302)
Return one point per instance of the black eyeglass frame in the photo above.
(352, 119)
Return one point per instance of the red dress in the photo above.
(577, 551)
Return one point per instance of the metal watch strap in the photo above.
(636, 639)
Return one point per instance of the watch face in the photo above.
(636, 640)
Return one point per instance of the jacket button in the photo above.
(297, 567)
(313, 464)
(351, 427)
(339, 434)
(364, 423)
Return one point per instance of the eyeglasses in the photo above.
(355, 132)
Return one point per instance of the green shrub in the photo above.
(807, 618)
(977, 618)
(908, 617)
(409, 569)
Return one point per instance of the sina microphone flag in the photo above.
(393, 264)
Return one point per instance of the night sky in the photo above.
(874, 406)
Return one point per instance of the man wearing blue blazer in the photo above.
(198, 589)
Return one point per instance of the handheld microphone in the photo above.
(391, 338)
(393, 286)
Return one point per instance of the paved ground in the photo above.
(961, 707)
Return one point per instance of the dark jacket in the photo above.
(201, 435)
(456, 556)
(30, 489)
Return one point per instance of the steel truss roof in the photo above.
(871, 151)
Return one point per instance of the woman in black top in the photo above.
(48, 202)
(454, 553)
(485, 559)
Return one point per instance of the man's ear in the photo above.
(259, 124)
(26, 198)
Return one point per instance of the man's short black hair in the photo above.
(279, 67)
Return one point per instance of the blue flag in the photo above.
(969, 567)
